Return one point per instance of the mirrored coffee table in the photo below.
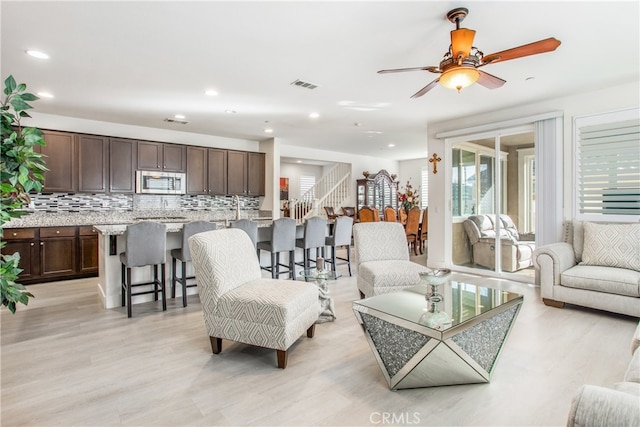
(414, 347)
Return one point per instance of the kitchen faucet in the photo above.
(236, 200)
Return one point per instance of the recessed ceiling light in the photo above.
(391, 145)
(373, 132)
(44, 95)
(268, 130)
(230, 111)
(211, 92)
(314, 115)
(298, 161)
(37, 54)
(179, 116)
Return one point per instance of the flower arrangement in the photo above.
(408, 197)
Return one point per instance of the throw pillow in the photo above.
(612, 245)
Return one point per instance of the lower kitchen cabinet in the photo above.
(53, 253)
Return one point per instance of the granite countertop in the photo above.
(116, 219)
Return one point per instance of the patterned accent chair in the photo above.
(382, 258)
(239, 305)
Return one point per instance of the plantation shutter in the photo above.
(424, 188)
(608, 166)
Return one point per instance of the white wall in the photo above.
(293, 171)
(412, 170)
(609, 99)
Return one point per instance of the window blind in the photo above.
(306, 183)
(424, 189)
(608, 167)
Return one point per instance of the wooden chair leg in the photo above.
(311, 331)
(282, 358)
(216, 345)
(553, 303)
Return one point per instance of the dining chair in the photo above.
(331, 214)
(411, 229)
(365, 214)
(349, 211)
(146, 246)
(402, 216)
(423, 233)
(390, 214)
(183, 255)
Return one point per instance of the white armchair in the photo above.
(239, 305)
(382, 258)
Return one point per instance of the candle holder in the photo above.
(433, 279)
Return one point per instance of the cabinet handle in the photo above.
(15, 234)
(32, 244)
(57, 231)
(41, 243)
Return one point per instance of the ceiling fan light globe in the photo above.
(461, 42)
(459, 78)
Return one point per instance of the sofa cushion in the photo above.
(391, 273)
(284, 302)
(628, 387)
(612, 245)
(612, 280)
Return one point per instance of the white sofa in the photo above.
(597, 265)
(596, 406)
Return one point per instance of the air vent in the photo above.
(304, 84)
(182, 122)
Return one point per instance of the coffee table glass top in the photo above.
(461, 301)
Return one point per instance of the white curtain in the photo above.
(549, 180)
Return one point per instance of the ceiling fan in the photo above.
(459, 67)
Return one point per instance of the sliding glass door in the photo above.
(493, 202)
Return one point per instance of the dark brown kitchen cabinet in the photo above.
(25, 242)
(87, 250)
(58, 252)
(161, 157)
(93, 161)
(255, 174)
(236, 172)
(60, 160)
(123, 157)
(53, 253)
(217, 168)
(206, 171)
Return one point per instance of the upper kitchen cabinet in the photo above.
(123, 157)
(236, 172)
(255, 174)
(93, 161)
(206, 171)
(161, 157)
(245, 173)
(60, 160)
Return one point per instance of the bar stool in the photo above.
(315, 233)
(282, 239)
(250, 227)
(341, 237)
(146, 245)
(183, 254)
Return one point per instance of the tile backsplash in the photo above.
(85, 202)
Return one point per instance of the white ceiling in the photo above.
(141, 62)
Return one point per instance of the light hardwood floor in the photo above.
(68, 362)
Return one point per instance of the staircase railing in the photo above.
(331, 190)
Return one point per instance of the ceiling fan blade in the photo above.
(490, 81)
(426, 89)
(541, 46)
(401, 70)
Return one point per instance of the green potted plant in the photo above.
(21, 171)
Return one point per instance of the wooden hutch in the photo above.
(377, 191)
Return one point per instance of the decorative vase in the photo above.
(433, 279)
(366, 174)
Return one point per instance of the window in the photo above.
(472, 177)
(306, 184)
(608, 165)
(424, 190)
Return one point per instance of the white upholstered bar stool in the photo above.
(342, 229)
(283, 239)
(183, 255)
(249, 227)
(314, 237)
(146, 246)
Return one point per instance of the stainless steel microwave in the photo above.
(153, 182)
